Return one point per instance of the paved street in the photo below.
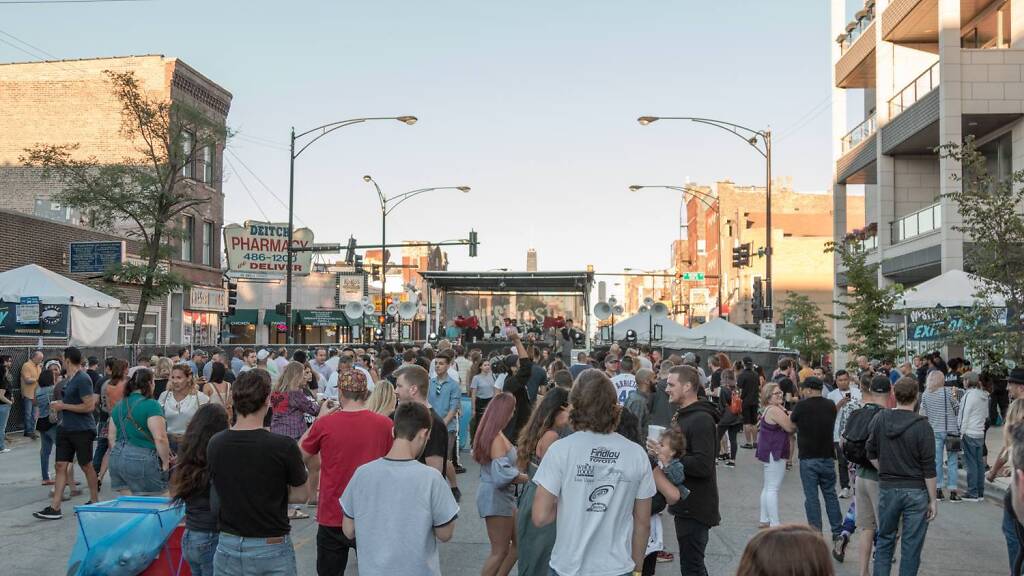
(965, 538)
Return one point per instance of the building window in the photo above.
(188, 226)
(126, 323)
(188, 141)
(208, 243)
(207, 164)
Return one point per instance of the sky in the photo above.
(531, 103)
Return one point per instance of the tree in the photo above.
(144, 195)
(804, 328)
(992, 221)
(866, 306)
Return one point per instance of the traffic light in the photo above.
(737, 260)
(473, 243)
(232, 297)
(757, 302)
(390, 300)
(358, 260)
(375, 274)
(282, 309)
(350, 251)
(745, 254)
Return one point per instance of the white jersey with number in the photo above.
(624, 384)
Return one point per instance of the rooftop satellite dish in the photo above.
(602, 310)
(659, 310)
(354, 310)
(406, 310)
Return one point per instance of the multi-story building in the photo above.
(531, 260)
(913, 75)
(71, 102)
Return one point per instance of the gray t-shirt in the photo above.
(385, 516)
(484, 386)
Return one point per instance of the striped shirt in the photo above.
(940, 406)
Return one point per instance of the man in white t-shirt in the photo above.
(597, 486)
(847, 398)
(625, 380)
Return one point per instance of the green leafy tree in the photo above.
(803, 327)
(866, 307)
(145, 194)
(990, 206)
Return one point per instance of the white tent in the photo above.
(719, 334)
(955, 288)
(92, 314)
(673, 334)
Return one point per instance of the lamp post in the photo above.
(712, 203)
(387, 205)
(292, 155)
(760, 140)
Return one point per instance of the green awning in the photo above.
(270, 318)
(243, 317)
(321, 317)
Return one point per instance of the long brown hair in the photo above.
(771, 553)
(594, 404)
(542, 420)
(191, 474)
(498, 414)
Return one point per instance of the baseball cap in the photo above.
(689, 357)
(880, 385)
(352, 381)
(262, 354)
(1016, 376)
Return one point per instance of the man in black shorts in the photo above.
(750, 391)
(75, 432)
(411, 385)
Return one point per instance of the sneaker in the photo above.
(48, 513)
(747, 446)
(954, 497)
(666, 556)
(844, 493)
(939, 495)
(459, 469)
(5, 450)
(839, 547)
(730, 464)
(723, 456)
(972, 499)
(457, 494)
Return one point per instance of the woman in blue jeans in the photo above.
(191, 485)
(939, 403)
(140, 455)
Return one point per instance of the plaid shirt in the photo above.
(289, 411)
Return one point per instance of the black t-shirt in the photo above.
(750, 387)
(437, 440)
(789, 391)
(815, 419)
(251, 471)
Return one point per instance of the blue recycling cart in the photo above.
(122, 537)
(464, 418)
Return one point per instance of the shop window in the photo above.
(126, 323)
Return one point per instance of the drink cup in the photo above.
(654, 432)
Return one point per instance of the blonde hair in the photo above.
(444, 344)
(935, 380)
(382, 400)
(291, 378)
(190, 379)
(162, 368)
(1014, 416)
(766, 393)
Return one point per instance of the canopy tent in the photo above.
(673, 334)
(92, 314)
(953, 289)
(720, 334)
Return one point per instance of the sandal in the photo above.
(297, 514)
(48, 482)
(789, 465)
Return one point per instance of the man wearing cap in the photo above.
(611, 365)
(345, 440)
(815, 419)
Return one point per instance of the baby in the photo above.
(671, 447)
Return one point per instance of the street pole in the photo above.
(291, 226)
(383, 270)
(769, 312)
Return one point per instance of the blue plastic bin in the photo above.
(467, 414)
(122, 537)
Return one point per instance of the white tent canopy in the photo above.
(673, 334)
(955, 288)
(92, 314)
(719, 334)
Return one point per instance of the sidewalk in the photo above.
(994, 491)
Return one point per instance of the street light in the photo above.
(323, 130)
(760, 140)
(716, 207)
(387, 205)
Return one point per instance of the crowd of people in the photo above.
(580, 462)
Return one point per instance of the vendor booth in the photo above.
(721, 335)
(38, 303)
(658, 331)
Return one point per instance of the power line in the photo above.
(249, 192)
(67, 1)
(806, 120)
(264, 184)
(20, 41)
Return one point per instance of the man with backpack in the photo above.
(854, 447)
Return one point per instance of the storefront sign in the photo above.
(28, 311)
(260, 250)
(351, 287)
(207, 298)
(95, 257)
(321, 317)
(53, 321)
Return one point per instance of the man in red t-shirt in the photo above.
(345, 440)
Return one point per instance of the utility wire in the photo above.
(249, 192)
(264, 184)
(67, 1)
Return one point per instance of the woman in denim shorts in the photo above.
(191, 484)
(140, 457)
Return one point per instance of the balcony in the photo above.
(856, 65)
(860, 133)
(917, 89)
(925, 220)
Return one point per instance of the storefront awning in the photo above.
(321, 317)
(243, 317)
(270, 318)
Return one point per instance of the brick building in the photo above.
(71, 102)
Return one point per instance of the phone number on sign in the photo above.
(262, 257)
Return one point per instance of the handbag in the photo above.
(952, 441)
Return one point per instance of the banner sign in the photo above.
(28, 311)
(95, 257)
(53, 321)
(927, 325)
(260, 250)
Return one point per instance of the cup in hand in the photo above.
(654, 432)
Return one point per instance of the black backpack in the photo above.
(855, 436)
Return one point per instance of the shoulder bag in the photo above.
(952, 438)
